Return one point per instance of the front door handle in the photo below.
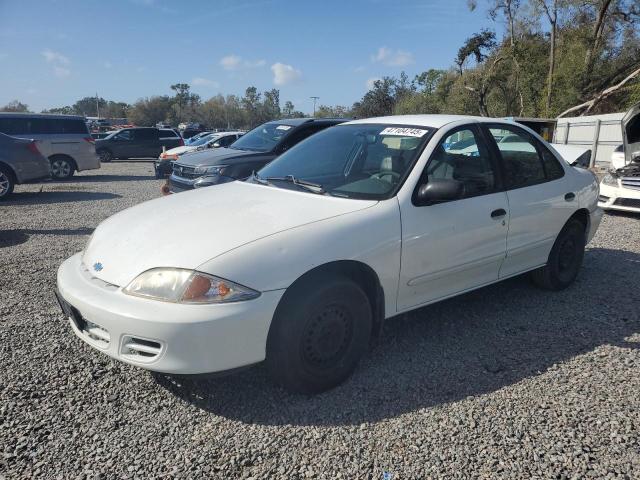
(569, 196)
(499, 213)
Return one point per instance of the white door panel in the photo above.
(537, 213)
(450, 247)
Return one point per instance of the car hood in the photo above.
(189, 229)
(216, 156)
(180, 150)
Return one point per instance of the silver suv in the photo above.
(20, 162)
(63, 139)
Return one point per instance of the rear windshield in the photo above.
(42, 126)
(168, 134)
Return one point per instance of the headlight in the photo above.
(610, 180)
(216, 170)
(187, 286)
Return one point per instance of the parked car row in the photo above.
(327, 238)
(137, 142)
(164, 165)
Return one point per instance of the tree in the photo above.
(15, 106)
(476, 46)
(271, 105)
(146, 112)
(251, 106)
(288, 109)
(378, 101)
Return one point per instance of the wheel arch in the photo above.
(359, 272)
(11, 171)
(65, 156)
(583, 216)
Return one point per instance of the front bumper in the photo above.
(619, 198)
(162, 336)
(179, 184)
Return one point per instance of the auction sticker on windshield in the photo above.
(405, 132)
(283, 127)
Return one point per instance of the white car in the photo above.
(212, 140)
(300, 265)
(617, 157)
(620, 189)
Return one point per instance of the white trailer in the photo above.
(602, 134)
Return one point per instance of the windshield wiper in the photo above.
(310, 186)
(258, 179)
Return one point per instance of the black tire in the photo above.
(564, 260)
(61, 167)
(7, 182)
(319, 332)
(105, 155)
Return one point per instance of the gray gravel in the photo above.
(507, 381)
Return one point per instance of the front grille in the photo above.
(631, 182)
(184, 171)
(628, 202)
(140, 349)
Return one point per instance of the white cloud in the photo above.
(107, 65)
(204, 82)
(361, 68)
(61, 72)
(58, 62)
(369, 83)
(55, 57)
(392, 58)
(284, 74)
(234, 62)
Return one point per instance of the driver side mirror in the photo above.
(438, 190)
(216, 145)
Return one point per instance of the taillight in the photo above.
(181, 142)
(90, 140)
(33, 148)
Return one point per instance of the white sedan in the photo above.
(301, 264)
(213, 140)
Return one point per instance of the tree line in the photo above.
(555, 57)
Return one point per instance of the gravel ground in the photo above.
(507, 381)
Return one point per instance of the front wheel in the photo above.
(319, 332)
(6, 183)
(564, 260)
(61, 167)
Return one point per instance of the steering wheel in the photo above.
(379, 175)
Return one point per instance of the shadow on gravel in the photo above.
(474, 344)
(34, 198)
(105, 178)
(9, 238)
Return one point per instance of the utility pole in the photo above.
(97, 106)
(314, 104)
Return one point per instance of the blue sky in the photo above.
(55, 52)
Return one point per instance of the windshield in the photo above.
(263, 138)
(202, 140)
(355, 161)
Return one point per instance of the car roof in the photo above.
(42, 115)
(431, 120)
(295, 122)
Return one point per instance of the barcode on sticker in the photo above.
(283, 127)
(405, 132)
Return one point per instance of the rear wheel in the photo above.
(7, 182)
(564, 260)
(320, 331)
(61, 167)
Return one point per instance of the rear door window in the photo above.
(146, 134)
(526, 161)
(67, 126)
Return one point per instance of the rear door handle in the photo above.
(499, 213)
(569, 196)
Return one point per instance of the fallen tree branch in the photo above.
(589, 105)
